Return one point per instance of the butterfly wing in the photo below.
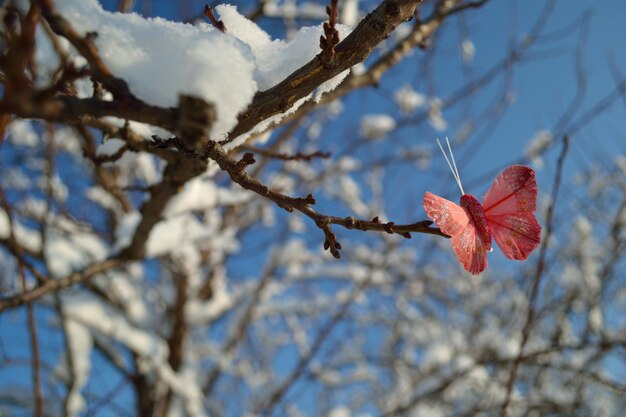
(453, 220)
(516, 235)
(470, 250)
(509, 206)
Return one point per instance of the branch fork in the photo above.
(247, 159)
(215, 22)
(330, 244)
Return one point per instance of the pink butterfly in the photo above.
(506, 215)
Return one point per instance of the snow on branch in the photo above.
(210, 14)
(193, 119)
(357, 46)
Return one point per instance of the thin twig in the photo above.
(274, 398)
(35, 354)
(298, 156)
(239, 329)
(537, 278)
(103, 176)
(236, 171)
(125, 6)
(32, 322)
(465, 6)
(218, 24)
(57, 284)
(330, 38)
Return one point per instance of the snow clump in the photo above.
(376, 126)
(160, 59)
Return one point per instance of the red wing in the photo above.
(517, 235)
(470, 250)
(513, 191)
(509, 206)
(450, 218)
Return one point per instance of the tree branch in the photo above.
(537, 278)
(298, 156)
(357, 46)
(421, 32)
(86, 47)
(73, 110)
(58, 284)
(235, 170)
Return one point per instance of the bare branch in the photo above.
(73, 110)
(235, 170)
(298, 156)
(49, 286)
(539, 272)
(330, 38)
(218, 24)
(36, 356)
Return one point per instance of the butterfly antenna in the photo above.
(458, 176)
(452, 166)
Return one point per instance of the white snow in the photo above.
(198, 311)
(349, 14)
(438, 354)
(290, 10)
(69, 247)
(28, 238)
(427, 409)
(402, 31)
(66, 140)
(5, 224)
(140, 166)
(79, 343)
(225, 69)
(349, 192)
(160, 244)
(147, 54)
(596, 319)
(109, 147)
(99, 196)
(57, 186)
(34, 207)
(468, 50)
(340, 411)
(408, 100)
(21, 132)
(173, 233)
(620, 163)
(538, 145)
(376, 126)
(201, 194)
(16, 179)
(151, 348)
(435, 114)
(125, 287)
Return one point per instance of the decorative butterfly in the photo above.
(506, 215)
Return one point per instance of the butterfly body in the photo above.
(506, 215)
(475, 211)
